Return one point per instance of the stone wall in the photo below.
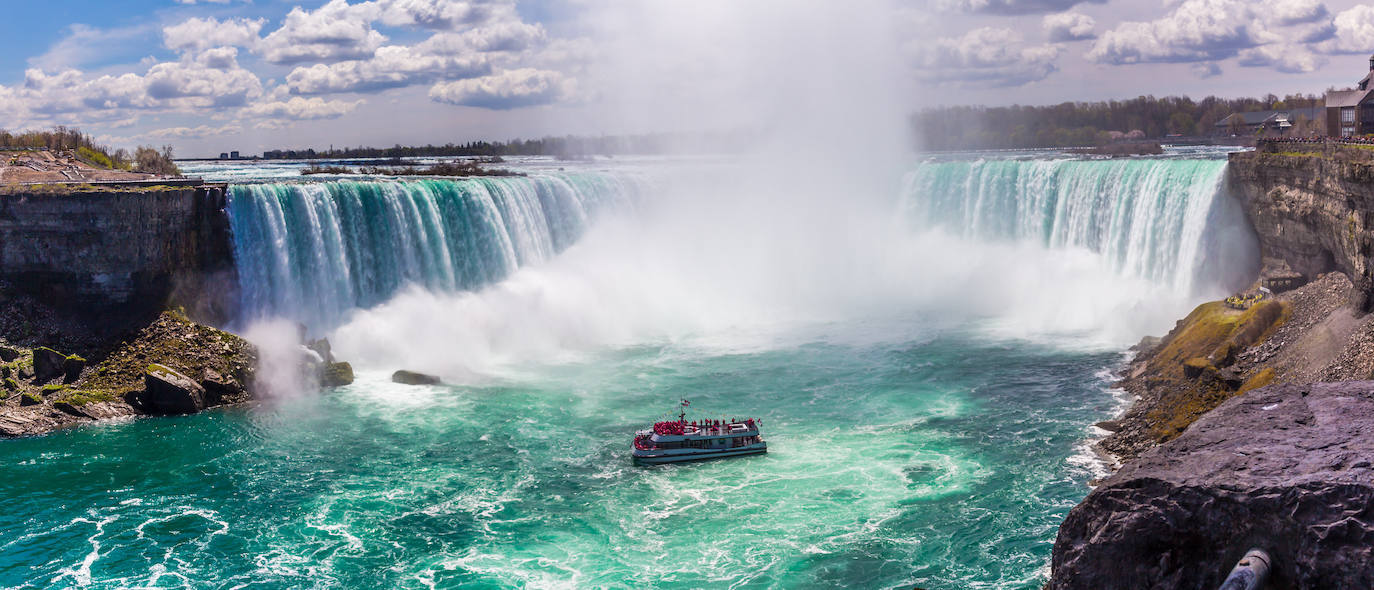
(120, 250)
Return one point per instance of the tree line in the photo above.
(1073, 124)
(565, 146)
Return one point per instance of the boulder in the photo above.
(413, 378)
(47, 363)
(8, 354)
(336, 374)
(1286, 468)
(170, 392)
(322, 348)
(220, 389)
(30, 399)
(72, 367)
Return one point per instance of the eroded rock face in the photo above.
(1286, 468)
(170, 392)
(1314, 213)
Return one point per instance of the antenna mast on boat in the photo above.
(682, 412)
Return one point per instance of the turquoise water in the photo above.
(946, 463)
(927, 362)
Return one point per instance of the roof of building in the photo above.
(1264, 117)
(1346, 98)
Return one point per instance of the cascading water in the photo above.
(311, 252)
(1162, 220)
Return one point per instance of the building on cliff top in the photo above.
(1351, 112)
(1279, 122)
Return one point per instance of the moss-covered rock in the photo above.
(336, 374)
(1190, 371)
(47, 363)
(170, 392)
(72, 367)
(30, 399)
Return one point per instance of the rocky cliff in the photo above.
(128, 250)
(1312, 208)
(1286, 468)
(1246, 431)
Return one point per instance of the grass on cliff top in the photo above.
(69, 188)
(1206, 340)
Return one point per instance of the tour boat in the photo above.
(678, 440)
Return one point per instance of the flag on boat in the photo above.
(686, 403)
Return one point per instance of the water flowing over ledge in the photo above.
(313, 251)
(1164, 220)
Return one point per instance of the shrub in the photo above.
(94, 157)
(149, 160)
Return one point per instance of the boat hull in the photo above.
(655, 458)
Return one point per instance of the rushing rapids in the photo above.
(1156, 219)
(312, 252)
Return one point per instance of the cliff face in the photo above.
(1285, 468)
(120, 250)
(1313, 211)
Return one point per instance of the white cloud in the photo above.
(1069, 26)
(506, 90)
(333, 32)
(1010, 6)
(985, 56)
(391, 67)
(192, 132)
(204, 33)
(1206, 70)
(1354, 31)
(439, 14)
(1271, 33)
(207, 86)
(303, 108)
(1196, 30)
(1289, 58)
(219, 58)
(1292, 12)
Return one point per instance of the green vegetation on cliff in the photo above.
(1187, 367)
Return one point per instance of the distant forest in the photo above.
(570, 146)
(1074, 124)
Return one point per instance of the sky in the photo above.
(210, 76)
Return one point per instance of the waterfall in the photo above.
(313, 251)
(1163, 220)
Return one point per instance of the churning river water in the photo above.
(928, 422)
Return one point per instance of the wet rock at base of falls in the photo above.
(170, 392)
(413, 378)
(322, 348)
(220, 389)
(1285, 468)
(336, 374)
(47, 363)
